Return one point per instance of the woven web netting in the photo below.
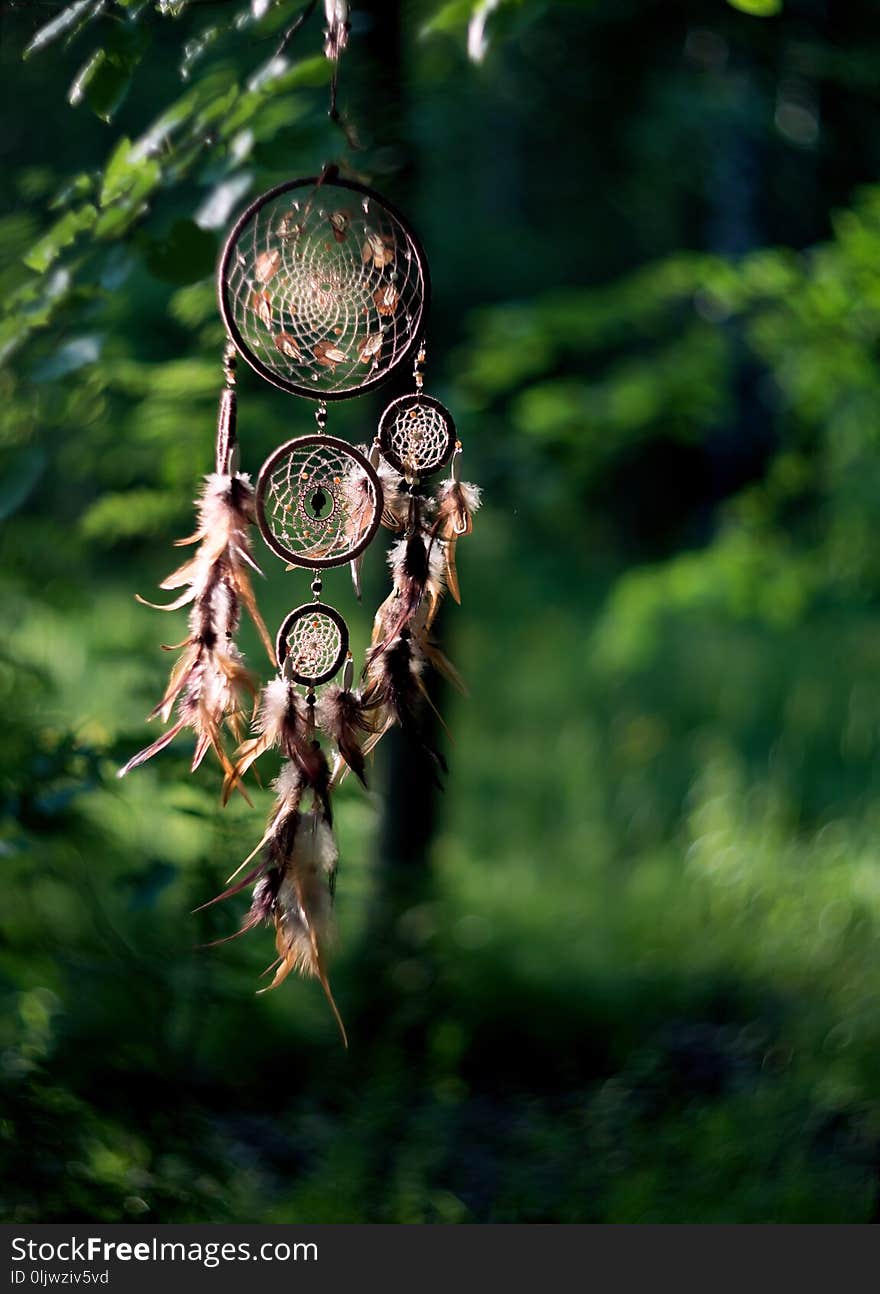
(416, 435)
(318, 502)
(313, 646)
(325, 288)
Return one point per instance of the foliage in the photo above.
(639, 981)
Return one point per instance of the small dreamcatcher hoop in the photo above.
(416, 435)
(312, 643)
(323, 287)
(318, 502)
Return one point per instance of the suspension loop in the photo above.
(455, 466)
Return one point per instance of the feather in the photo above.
(343, 715)
(456, 503)
(435, 582)
(395, 508)
(355, 568)
(284, 721)
(360, 504)
(293, 880)
(360, 509)
(394, 689)
(149, 751)
(438, 660)
(337, 29)
(279, 831)
(275, 699)
(303, 908)
(209, 680)
(410, 566)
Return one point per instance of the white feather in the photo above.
(287, 784)
(471, 494)
(397, 556)
(273, 705)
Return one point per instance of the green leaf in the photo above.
(118, 173)
(449, 17)
(757, 8)
(71, 19)
(129, 174)
(118, 217)
(103, 81)
(77, 187)
(129, 178)
(61, 235)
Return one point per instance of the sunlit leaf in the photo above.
(71, 19)
(449, 17)
(757, 8)
(128, 175)
(103, 80)
(61, 235)
(118, 173)
(77, 187)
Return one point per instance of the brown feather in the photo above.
(344, 716)
(208, 680)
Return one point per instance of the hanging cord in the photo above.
(336, 33)
(288, 35)
(336, 13)
(419, 366)
(226, 443)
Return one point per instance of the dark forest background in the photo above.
(626, 967)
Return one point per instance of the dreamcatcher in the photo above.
(323, 288)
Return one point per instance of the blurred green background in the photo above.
(626, 967)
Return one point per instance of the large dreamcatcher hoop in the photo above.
(323, 287)
(318, 502)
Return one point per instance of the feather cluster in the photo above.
(337, 29)
(396, 498)
(294, 881)
(456, 503)
(209, 681)
(345, 717)
(295, 874)
(283, 722)
(423, 567)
